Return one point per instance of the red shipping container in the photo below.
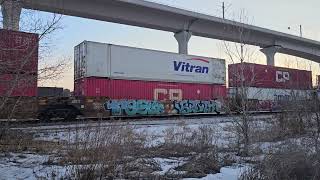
(12, 85)
(18, 52)
(147, 90)
(264, 76)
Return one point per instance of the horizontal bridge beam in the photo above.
(156, 16)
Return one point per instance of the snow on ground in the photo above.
(155, 133)
(168, 164)
(153, 128)
(32, 166)
(26, 166)
(226, 173)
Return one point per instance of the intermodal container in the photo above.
(119, 62)
(18, 52)
(264, 76)
(147, 90)
(272, 94)
(12, 85)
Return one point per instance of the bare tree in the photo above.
(315, 127)
(21, 76)
(241, 53)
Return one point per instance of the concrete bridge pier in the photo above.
(11, 10)
(270, 52)
(183, 38)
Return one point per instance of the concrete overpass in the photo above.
(181, 22)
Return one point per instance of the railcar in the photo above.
(112, 80)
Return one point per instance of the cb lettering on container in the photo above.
(282, 76)
(168, 94)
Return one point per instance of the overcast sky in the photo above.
(272, 14)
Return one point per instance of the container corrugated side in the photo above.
(12, 85)
(264, 76)
(91, 59)
(18, 52)
(142, 64)
(148, 90)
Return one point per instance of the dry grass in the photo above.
(200, 165)
(291, 163)
(120, 152)
(103, 152)
(20, 141)
(295, 157)
(184, 141)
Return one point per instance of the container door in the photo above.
(82, 59)
(76, 62)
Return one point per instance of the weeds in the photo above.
(121, 152)
(286, 164)
(20, 141)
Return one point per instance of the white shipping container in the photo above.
(272, 94)
(119, 62)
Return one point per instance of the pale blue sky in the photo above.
(272, 14)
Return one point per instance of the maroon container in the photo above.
(147, 90)
(12, 85)
(264, 76)
(18, 52)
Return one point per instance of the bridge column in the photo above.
(11, 10)
(270, 52)
(183, 38)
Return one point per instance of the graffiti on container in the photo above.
(196, 106)
(265, 105)
(169, 107)
(134, 107)
(146, 107)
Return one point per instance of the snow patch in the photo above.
(226, 173)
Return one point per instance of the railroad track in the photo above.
(120, 120)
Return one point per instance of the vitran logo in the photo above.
(187, 67)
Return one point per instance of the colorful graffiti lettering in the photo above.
(145, 107)
(134, 107)
(195, 106)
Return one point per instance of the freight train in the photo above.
(112, 80)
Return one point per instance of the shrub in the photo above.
(286, 164)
